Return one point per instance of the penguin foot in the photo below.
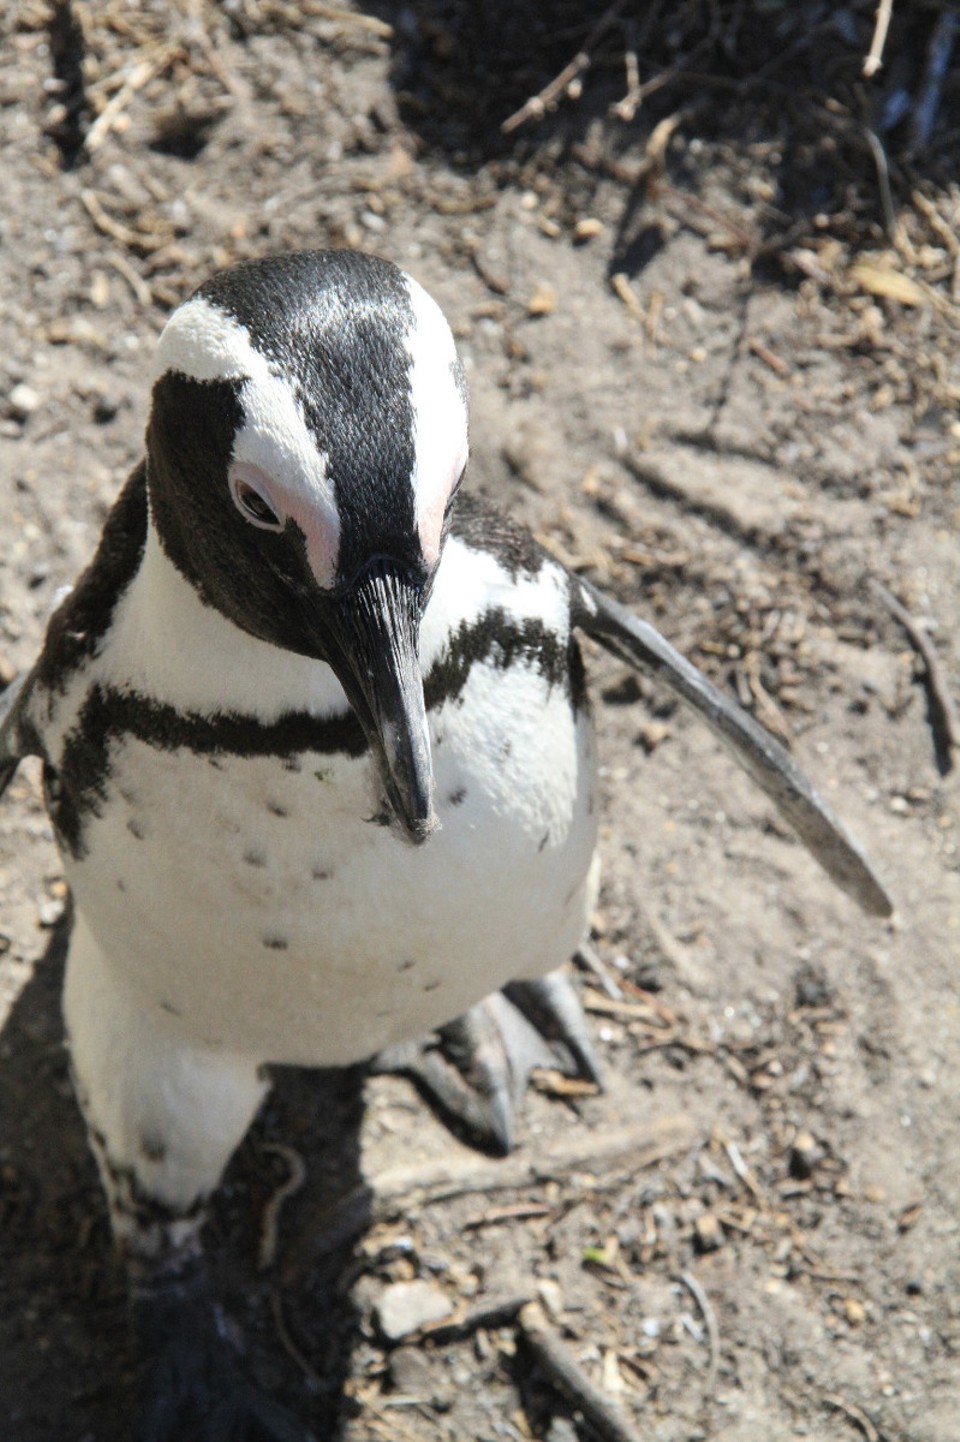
(190, 1388)
(476, 1068)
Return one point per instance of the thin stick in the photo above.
(944, 720)
(710, 1322)
(492, 1312)
(591, 961)
(136, 80)
(556, 1360)
(883, 180)
(407, 1187)
(270, 1219)
(856, 1414)
(538, 105)
(875, 56)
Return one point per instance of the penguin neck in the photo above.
(168, 644)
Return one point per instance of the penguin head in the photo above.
(307, 436)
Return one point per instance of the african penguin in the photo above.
(318, 754)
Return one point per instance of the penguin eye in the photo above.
(252, 505)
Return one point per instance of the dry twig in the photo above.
(875, 57)
(944, 720)
(538, 105)
(269, 1221)
(605, 1417)
(419, 1185)
(710, 1322)
(856, 1414)
(136, 80)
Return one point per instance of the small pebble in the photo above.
(411, 1375)
(804, 1155)
(105, 409)
(405, 1307)
(49, 913)
(587, 228)
(23, 400)
(543, 301)
(707, 1233)
(562, 1430)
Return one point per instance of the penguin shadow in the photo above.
(460, 70)
(67, 1367)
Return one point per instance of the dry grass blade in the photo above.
(874, 58)
(944, 720)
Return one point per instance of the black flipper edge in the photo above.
(11, 706)
(764, 759)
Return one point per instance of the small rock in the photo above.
(804, 1155)
(49, 913)
(562, 1430)
(551, 1295)
(810, 986)
(651, 734)
(411, 1374)
(405, 1307)
(586, 228)
(855, 1312)
(707, 1233)
(543, 301)
(105, 408)
(22, 401)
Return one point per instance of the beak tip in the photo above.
(422, 828)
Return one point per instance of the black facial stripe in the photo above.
(336, 323)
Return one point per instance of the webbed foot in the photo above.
(190, 1387)
(476, 1068)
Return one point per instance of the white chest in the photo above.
(260, 904)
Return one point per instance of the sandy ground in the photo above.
(703, 374)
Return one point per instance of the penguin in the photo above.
(318, 754)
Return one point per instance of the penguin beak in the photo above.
(375, 634)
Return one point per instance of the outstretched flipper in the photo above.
(763, 758)
(477, 1067)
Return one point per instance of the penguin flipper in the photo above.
(772, 768)
(476, 1068)
(12, 749)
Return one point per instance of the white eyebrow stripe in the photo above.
(205, 343)
(201, 341)
(439, 416)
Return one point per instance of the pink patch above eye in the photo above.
(432, 511)
(321, 534)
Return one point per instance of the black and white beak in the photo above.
(372, 641)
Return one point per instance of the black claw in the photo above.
(476, 1068)
(553, 1007)
(190, 1387)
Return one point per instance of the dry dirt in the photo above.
(704, 374)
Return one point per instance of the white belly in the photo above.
(258, 908)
